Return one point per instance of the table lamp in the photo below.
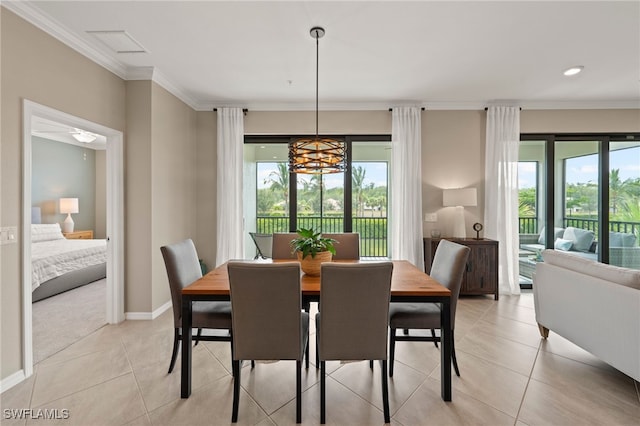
(459, 198)
(68, 206)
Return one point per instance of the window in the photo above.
(354, 201)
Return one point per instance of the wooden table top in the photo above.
(406, 280)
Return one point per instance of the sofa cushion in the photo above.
(557, 233)
(616, 274)
(621, 239)
(562, 244)
(581, 238)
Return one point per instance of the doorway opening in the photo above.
(114, 189)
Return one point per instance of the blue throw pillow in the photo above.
(562, 244)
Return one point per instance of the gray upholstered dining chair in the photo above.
(268, 321)
(347, 247)
(183, 268)
(281, 248)
(263, 244)
(352, 323)
(449, 264)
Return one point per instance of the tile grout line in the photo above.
(524, 394)
(135, 377)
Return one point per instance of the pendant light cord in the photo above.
(317, 73)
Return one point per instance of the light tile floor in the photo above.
(510, 376)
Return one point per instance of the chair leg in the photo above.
(298, 392)
(317, 351)
(322, 394)
(174, 355)
(236, 390)
(233, 370)
(392, 350)
(385, 392)
(306, 354)
(453, 356)
(433, 334)
(197, 339)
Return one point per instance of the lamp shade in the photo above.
(459, 197)
(69, 205)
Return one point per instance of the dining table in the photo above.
(408, 284)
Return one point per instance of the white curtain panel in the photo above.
(406, 186)
(229, 213)
(501, 191)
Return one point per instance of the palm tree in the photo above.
(617, 189)
(357, 183)
(280, 182)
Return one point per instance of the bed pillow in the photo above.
(46, 232)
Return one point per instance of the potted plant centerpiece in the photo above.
(312, 249)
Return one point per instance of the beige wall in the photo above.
(37, 67)
(453, 144)
(330, 122)
(580, 121)
(173, 182)
(160, 187)
(137, 149)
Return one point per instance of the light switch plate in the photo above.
(431, 217)
(8, 234)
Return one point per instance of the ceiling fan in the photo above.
(78, 134)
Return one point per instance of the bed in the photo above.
(59, 264)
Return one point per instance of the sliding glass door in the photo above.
(588, 189)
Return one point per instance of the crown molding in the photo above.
(33, 15)
(532, 105)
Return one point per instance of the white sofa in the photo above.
(594, 305)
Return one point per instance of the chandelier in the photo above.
(317, 155)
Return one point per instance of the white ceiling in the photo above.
(259, 55)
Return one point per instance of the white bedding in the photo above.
(51, 259)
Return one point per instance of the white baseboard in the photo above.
(137, 316)
(12, 380)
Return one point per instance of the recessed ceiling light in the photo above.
(573, 70)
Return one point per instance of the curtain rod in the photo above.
(244, 110)
(422, 109)
(486, 108)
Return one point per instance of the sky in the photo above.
(585, 169)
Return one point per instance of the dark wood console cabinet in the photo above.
(481, 276)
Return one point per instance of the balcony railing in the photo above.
(372, 230)
(529, 225)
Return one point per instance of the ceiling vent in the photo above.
(118, 41)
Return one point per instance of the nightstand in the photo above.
(79, 235)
